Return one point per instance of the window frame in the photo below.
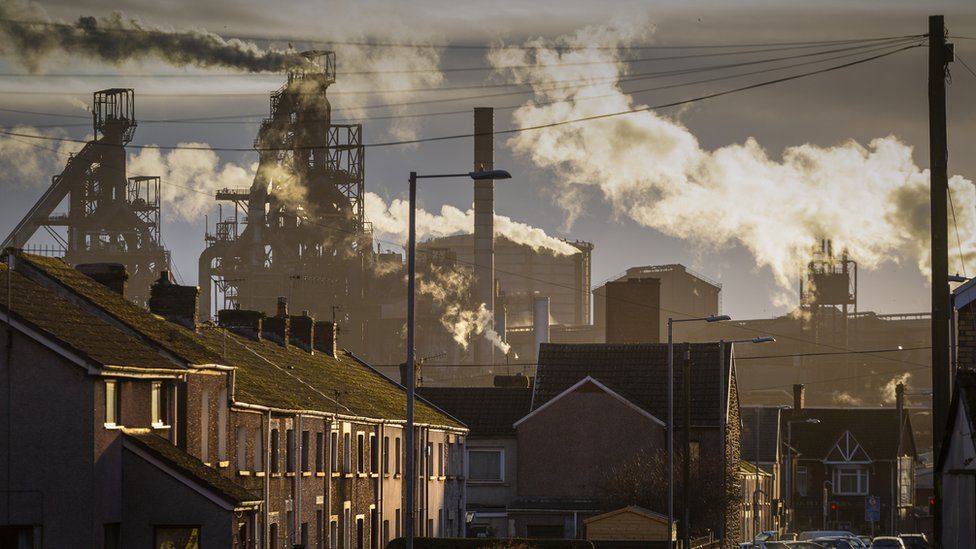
(860, 473)
(486, 449)
(242, 437)
(319, 452)
(113, 402)
(158, 405)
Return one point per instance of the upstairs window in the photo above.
(319, 452)
(290, 450)
(275, 461)
(158, 404)
(112, 403)
(361, 454)
(486, 465)
(334, 451)
(850, 480)
(398, 453)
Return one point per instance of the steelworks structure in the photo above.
(299, 231)
(111, 218)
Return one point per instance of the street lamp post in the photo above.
(723, 396)
(671, 322)
(411, 380)
(789, 470)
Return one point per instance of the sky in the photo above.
(883, 98)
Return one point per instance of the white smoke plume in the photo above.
(449, 289)
(390, 223)
(27, 162)
(888, 391)
(871, 200)
(189, 178)
(28, 35)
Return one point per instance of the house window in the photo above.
(319, 452)
(112, 403)
(205, 427)
(361, 453)
(397, 469)
(802, 481)
(346, 525)
(306, 463)
(386, 455)
(319, 529)
(374, 454)
(430, 459)
(222, 425)
(334, 533)
(184, 537)
(486, 465)
(334, 451)
(275, 452)
(242, 449)
(158, 404)
(258, 449)
(289, 450)
(397, 522)
(850, 480)
(347, 453)
(303, 534)
(386, 533)
(273, 535)
(440, 459)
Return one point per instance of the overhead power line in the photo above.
(508, 131)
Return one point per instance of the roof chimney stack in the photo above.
(111, 275)
(174, 302)
(798, 398)
(301, 333)
(276, 328)
(325, 336)
(242, 322)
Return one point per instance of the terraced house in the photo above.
(129, 428)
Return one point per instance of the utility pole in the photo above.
(686, 439)
(940, 54)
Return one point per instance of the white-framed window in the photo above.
(361, 464)
(319, 452)
(258, 449)
(386, 456)
(396, 470)
(158, 404)
(347, 452)
(802, 480)
(112, 403)
(334, 451)
(486, 465)
(850, 480)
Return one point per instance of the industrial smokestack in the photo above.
(540, 322)
(484, 226)
(798, 397)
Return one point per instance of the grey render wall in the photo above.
(497, 494)
(50, 412)
(153, 497)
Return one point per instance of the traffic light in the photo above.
(932, 505)
(833, 506)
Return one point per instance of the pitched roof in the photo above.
(875, 429)
(963, 394)
(154, 329)
(767, 435)
(190, 466)
(76, 330)
(631, 509)
(267, 373)
(638, 372)
(487, 411)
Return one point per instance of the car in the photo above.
(811, 534)
(915, 541)
(839, 542)
(866, 540)
(793, 545)
(887, 542)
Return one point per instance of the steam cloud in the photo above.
(25, 163)
(117, 38)
(870, 200)
(449, 288)
(390, 222)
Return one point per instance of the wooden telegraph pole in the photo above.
(940, 54)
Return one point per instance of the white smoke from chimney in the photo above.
(871, 200)
(390, 223)
(888, 394)
(450, 288)
(189, 178)
(27, 162)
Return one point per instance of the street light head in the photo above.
(717, 318)
(957, 278)
(764, 339)
(813, 421)
(490, 174)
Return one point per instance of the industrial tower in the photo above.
(299, 231)
(110, 218)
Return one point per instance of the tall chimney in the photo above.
(540, 322)
(484, 224)
(798, 397)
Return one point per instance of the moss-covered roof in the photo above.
(80, 331)
(190, 466)
(168, 335)
(268, 374)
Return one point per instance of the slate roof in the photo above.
(76, 329)
(963, 394)
(190, 466)
(267, 373)
(768, 421)
(487, 411)
(637, 372)
(876, 429)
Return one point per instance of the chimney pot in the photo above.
(798, 397)
(241, 321)
(282, 307)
